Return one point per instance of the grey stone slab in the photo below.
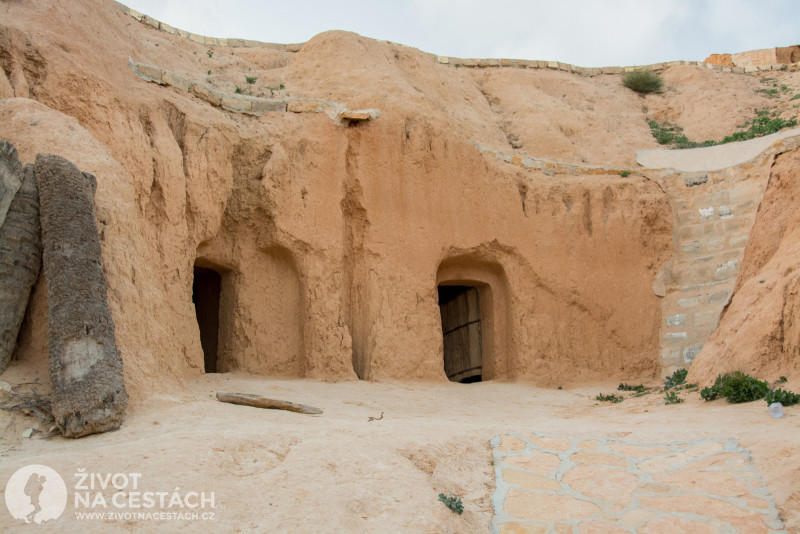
(85, 366)
(20, 242)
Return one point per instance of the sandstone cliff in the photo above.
(330, 234)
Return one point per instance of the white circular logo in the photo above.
(35, 494)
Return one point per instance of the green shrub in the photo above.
(768, 92)
(709, 394)
(643, 81)
(250, 79)
(238, 90)
(787, 398)
(609, 398)
(670, 134)
(627, 387)
(677, 378)
(452, 502)
(760, 126)
(737, 387)
(210, 53)
(672, 398)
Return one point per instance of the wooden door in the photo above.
(461, 329)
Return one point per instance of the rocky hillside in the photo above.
(358, 169)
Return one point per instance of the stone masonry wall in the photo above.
(714, 214)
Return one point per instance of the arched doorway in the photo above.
(474, 309)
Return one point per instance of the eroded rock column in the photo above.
(20, 246)
(85, 366)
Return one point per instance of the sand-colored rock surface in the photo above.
(759, 333)
(279, 471)
(332, 198)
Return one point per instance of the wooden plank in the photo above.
(257, 401)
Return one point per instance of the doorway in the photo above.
(206, 290)
(461, 331)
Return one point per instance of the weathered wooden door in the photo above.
(461, 328)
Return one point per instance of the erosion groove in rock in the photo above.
(85, 366)
(20, 247)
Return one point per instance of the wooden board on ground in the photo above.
(257, 401)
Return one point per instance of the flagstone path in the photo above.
(556, 484)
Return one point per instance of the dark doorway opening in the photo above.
(206, 290)
(461, 330)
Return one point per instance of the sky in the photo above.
(587, 33)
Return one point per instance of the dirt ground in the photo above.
(277, 471)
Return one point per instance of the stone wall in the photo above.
(777, 56)
(714, 212)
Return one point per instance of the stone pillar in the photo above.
(20, 246)
(85, 366)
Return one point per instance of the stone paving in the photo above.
(557, 484)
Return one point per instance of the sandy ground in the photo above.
(276, 471)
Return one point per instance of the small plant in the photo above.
(210, 53)
(209, 72)
(669, 134)
(643, 81)
(453, 502)
(784, 68)
(760, 126)
(672, 397)
(625, 174)
(238, 90)
(709, 394)
(627, 387)
(609, 398)
(281, 86)
(795, 97)
(772, 93)
(782, 380)
(787, 398)
(677, 378)
(737, 387)
(250, 79)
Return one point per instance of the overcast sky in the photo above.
(588, 33)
